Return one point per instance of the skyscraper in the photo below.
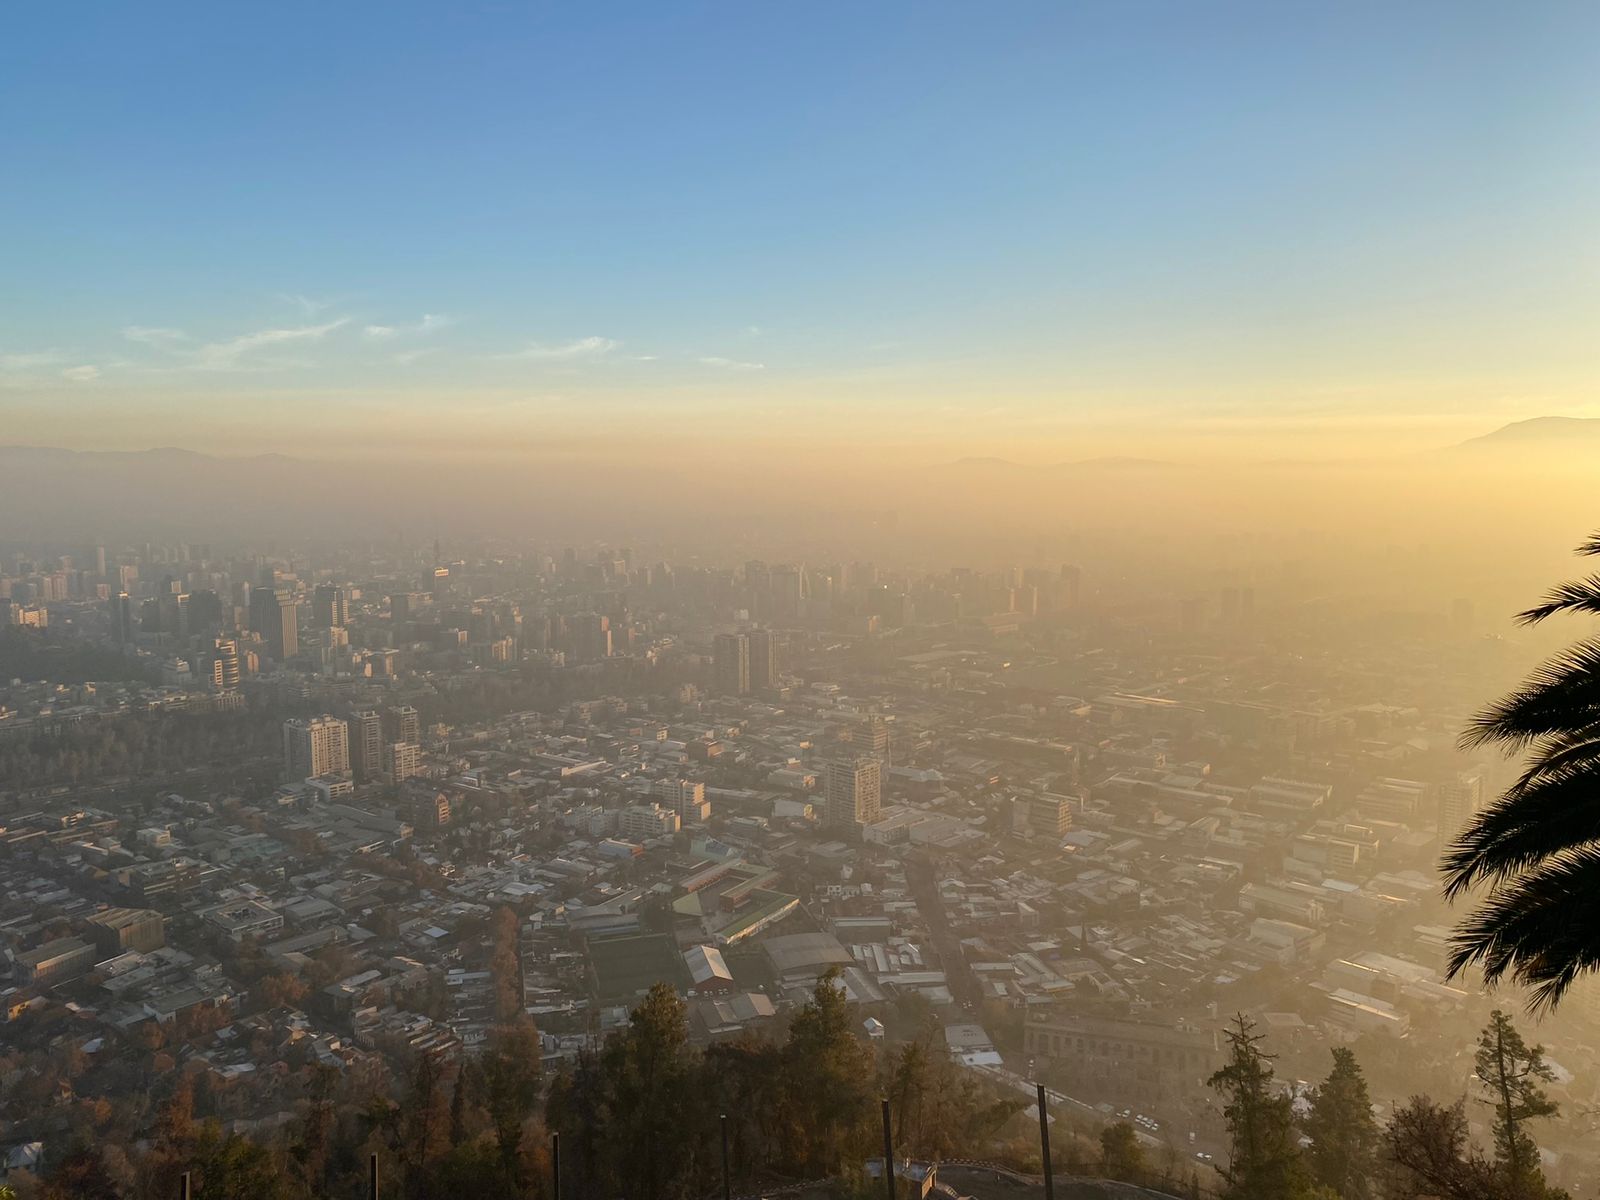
(122, 626)
(274, 615)
(316, 746)
(366, 743)
(330, 606)
(854, 793)
(223, 664)
(763, 660)
(731, 663)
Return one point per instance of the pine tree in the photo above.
(829, 1073)
(1510, 1073)
(1265, 1162)
(1343, 1132)
(651, 1083)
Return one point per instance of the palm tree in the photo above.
(1537, 848)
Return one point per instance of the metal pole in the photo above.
(1044, 1148)
(888, 1150)
(183, 1186)
(727, 1180)
(372, 1178)
(555, 1164)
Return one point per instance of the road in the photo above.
(922, 878)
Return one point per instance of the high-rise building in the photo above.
(222, 664)
(731, 663)
(404, 761)
(871, 737)
(1460, 799)
(205, 612)
(274, 614)
(788, 592)
(763, 660)
(405, 724)
(685, 797)
(591, 637)
(316, 746)
(854, 792)
(366, 743)
(122, 618)
(330, 606)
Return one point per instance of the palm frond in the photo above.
(1592, 546)
(1550, 810)
(1539, 931)
(1560, 698)
(1578, 595)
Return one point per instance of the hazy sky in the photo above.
(1045, 230)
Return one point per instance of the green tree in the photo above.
(1510, 1073)
(1343, 1131)
(1264, 1162)
(829, 1073)
(1536, 846)
(650, 1070)
(1121, 1156)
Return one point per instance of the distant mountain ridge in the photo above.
(1538, 432)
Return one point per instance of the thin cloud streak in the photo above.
(731, 364)
(587, 347)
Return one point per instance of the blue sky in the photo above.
(996, 222)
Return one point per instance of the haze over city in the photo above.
(839, 602)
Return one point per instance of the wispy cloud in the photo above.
(588, 347)
(231, 354)
(430, 323)
(84, 374)
(731, 364)
(240, 353)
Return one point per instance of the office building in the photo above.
(330, 606)
(122, 619)
(316, 746)
(222, 665)
(274, 614)
(763, 660)
(731, 663)
(366, 743)
(853, 792)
